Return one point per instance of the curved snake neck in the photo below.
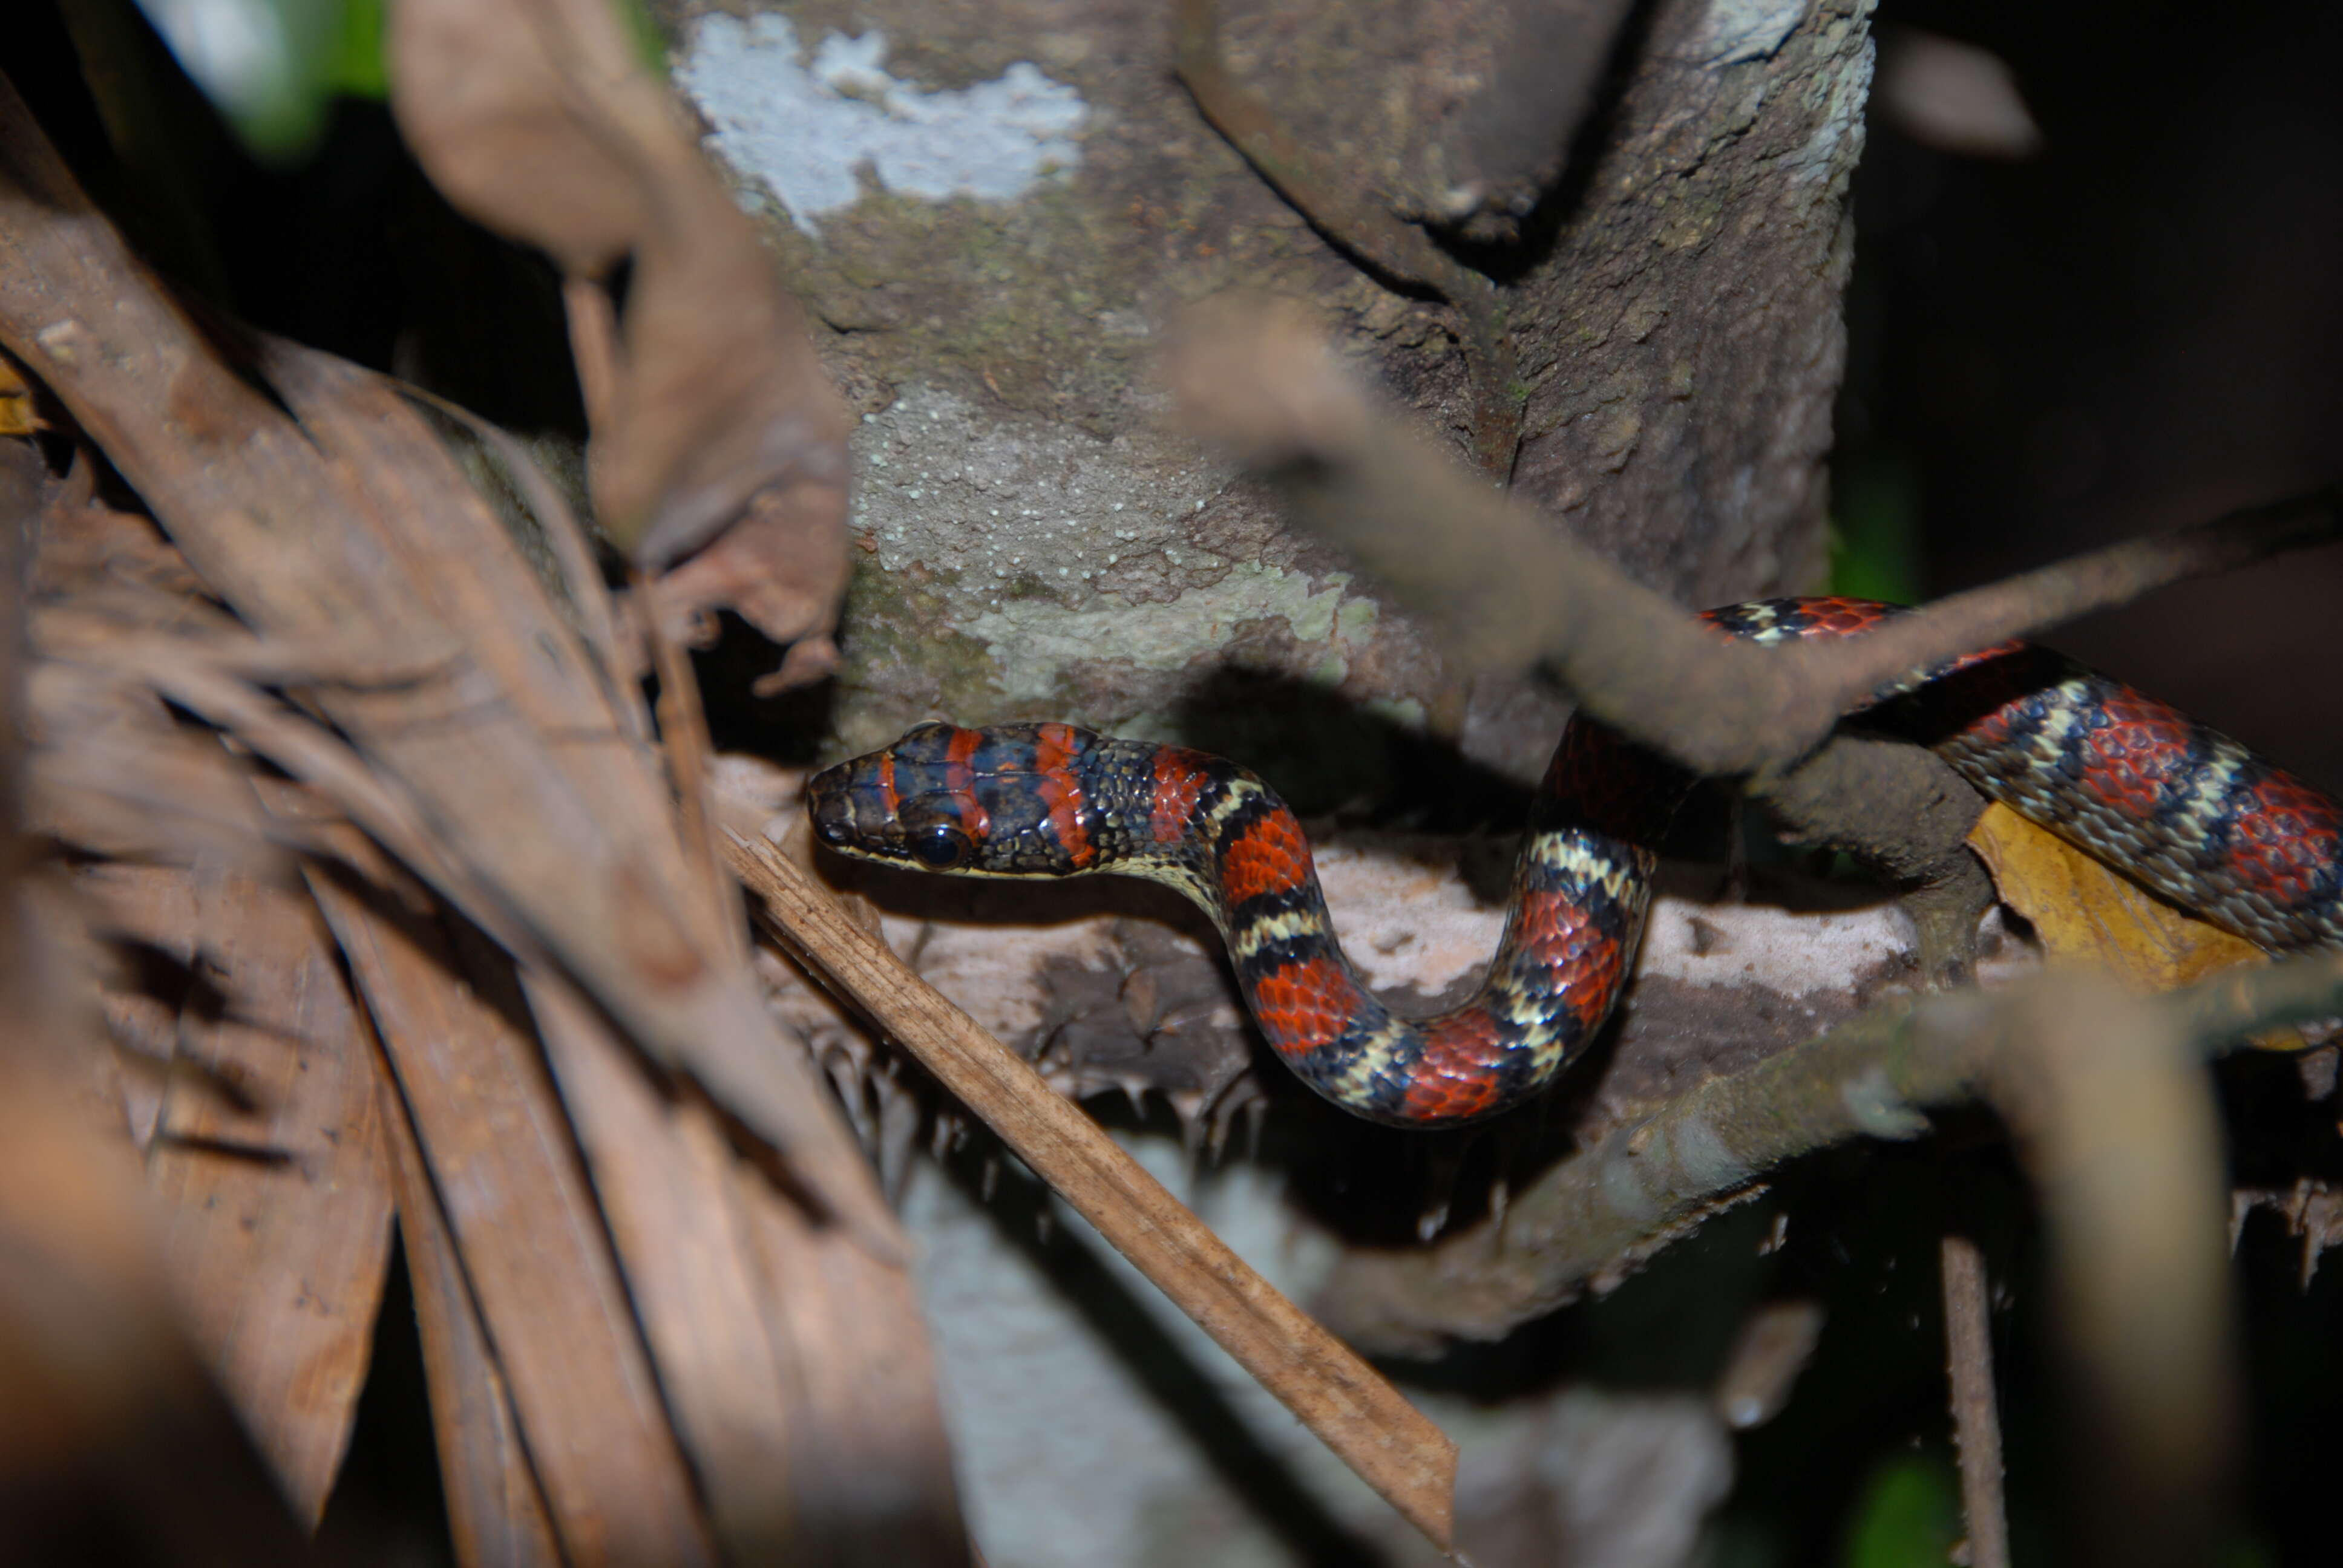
(2131, 780)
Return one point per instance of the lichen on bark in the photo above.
(1671, 295)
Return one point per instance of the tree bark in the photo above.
(1662, 214)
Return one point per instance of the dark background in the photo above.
(2139, 328)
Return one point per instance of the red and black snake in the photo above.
(2135, 782)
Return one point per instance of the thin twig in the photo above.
(1409, 1462)
(1508, 591)
(1977, 1424)
(593, 346)
(683, 738)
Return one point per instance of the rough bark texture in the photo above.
(1458, 113)
(1681, 340)
(1034, 543)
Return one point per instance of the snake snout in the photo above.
(830, 801)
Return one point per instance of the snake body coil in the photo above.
(2133, 781)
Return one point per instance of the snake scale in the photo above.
(2132, 780)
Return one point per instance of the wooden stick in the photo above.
(1977, 1424)
(1391, 1445)
(683, 738)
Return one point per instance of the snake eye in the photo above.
(939, 846)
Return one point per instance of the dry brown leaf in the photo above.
(496, 1512)
(500, 108)
(111, 772)
(493, 740)
(866, 1373)
(736, 1382)
(333, 514)
(795, 1373)
(524, 1217)
(108, 769)
(718, 394)
(267, 1153)
(2085, 912)
(777, 570)
(535, 118)
(108, 1416)
(81, 547)
(17, 415)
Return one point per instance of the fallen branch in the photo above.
(1507, 591)
(1409, 1462)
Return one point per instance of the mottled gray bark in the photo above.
(1035, 543)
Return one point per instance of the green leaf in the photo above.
(2242, 1552)
(1908, 1515)
(650, 43)
(1876, 530)
(357, 70)
(267, 65)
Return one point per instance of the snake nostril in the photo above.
(832, 810)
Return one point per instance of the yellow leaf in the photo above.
(2086, 912)
(17, 415)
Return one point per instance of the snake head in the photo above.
(945, 799)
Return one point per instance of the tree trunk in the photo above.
(995, 211)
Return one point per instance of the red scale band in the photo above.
(1057, 745)
(2076, 752)
(1305, 1006)
(1271, 856)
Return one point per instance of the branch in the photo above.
(1353, 219)
(2109, 1111)
(1508, 592)
(2111, 1115)
(1976, 1423)
(1348, 214)
(1593, 1218)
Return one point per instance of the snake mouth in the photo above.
(830, 801)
